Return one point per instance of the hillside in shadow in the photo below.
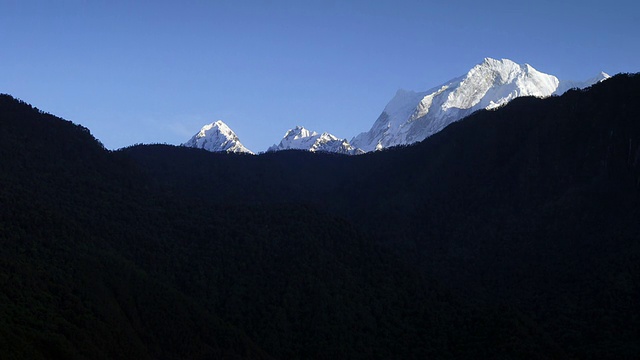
(511, 234)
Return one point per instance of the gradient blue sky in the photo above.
(157, 71)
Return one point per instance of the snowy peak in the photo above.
(565, 85)
(217, 137)
(495, 82)
(298, 134)
(413, 116)
(300, 138)
(602, 76)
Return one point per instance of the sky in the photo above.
(157, 71)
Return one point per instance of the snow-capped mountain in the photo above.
(217, 137)
(570, 84)
(302, 139)
(413, 116)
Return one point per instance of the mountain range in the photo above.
(300, 138)
(512, 234)
(413, 116)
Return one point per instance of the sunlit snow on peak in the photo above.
(300, 138)
(413, 116)
(217, 137)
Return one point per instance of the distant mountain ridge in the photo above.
(300, 138)
(571, 84)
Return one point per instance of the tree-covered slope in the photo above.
(99, 261)
(533, 206)
(71, 287)
(511, 234)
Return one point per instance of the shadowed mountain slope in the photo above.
(533, 205)
(513, 233)
(99, 261)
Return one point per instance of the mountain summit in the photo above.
(300, 138)
(217, 137)
(413, 116)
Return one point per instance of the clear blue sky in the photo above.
(157, 71)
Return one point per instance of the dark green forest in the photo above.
(512, 234)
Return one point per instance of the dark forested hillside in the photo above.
(511, 234)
